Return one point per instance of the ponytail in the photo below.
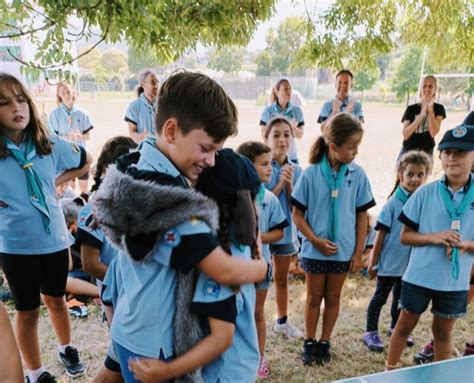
(318, 150)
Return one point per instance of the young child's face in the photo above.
(412, 177)
(346, 153)
(456, 162)
(279, 139)
(263, 165)
(14, 110)
(194, 152)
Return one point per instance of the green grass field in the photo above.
(377, 155)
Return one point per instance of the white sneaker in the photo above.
(287, 329)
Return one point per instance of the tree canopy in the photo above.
(166, 28)
(353, 33)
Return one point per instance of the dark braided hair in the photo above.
(225, 219)
(112, 149)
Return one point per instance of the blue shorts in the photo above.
(318, 266)
(283, 249)
(444, 304)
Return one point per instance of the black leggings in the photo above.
(382, 291)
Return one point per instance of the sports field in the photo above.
(377, 156)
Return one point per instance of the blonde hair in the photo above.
(64, 85)
(273, 96)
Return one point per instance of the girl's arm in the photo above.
(208, 349)
(325, 246)
(229, 270)
(74, 173)
(134, 135)
(91, 262)
(466, 246)
(411, 237)
(434, 123)
(375, 254)
(279, 186)
(272, 236)
(298, 131)
(361, 238)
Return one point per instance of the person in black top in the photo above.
(422, 121)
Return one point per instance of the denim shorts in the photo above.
(318, 266)
(444, 304)
(265, 284)
(283, 249)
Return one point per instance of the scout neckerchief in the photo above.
(402, 194)
(149, 105)
(68, 113)
(35, 188)
(455, 215)
(334, 184)
(277, 111)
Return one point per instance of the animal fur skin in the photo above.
(127, 206)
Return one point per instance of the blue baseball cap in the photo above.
(461, 137)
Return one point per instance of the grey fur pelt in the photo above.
(127, 206)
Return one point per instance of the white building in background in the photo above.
(26, 51)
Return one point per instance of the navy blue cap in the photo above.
(461, 137)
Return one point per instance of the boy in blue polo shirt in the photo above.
(164, 229)
(439, 223)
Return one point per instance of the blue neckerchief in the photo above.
(233, 238)
(287, 112)
(260, 196)
(334, 184)
(344, 103)
(150, 106)
(68, 112)
(455, 216)
(402, 194)
(35, 188)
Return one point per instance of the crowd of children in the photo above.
(184, 238)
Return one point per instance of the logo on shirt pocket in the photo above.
(471, 205)
(172, 238)
(211, 288)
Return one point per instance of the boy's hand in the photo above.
(350, 107)
(325, 246)
(356, 263)
(372, 273)
(150, 370)
(448, 238)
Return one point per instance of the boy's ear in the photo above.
(170, 129)
(332, 146)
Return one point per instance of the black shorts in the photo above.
(28, 275)
(317, 266)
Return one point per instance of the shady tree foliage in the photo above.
(165, 28)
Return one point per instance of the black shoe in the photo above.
(70, 359)
(45, 377)
(308, 356)
(322, 352)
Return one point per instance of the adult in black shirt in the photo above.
(422, 121)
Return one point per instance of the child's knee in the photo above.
(332, 300)
(314, 299)
(54, 303)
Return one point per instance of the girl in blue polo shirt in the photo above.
(389, 257)
(330, 209)
(438, 222)
(140, 115)
(71, 122)
(282, 107)
(34, 240)
(278, 135)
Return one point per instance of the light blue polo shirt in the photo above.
(63, 120)
(239, 363)
(394, 256)
(143, 318)
(21, 226)
(429, 265)
(93, 236)
(291, 112)
(312, 196)
(284, 198)
(270, 217)
(141, 112)
(326, 109)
